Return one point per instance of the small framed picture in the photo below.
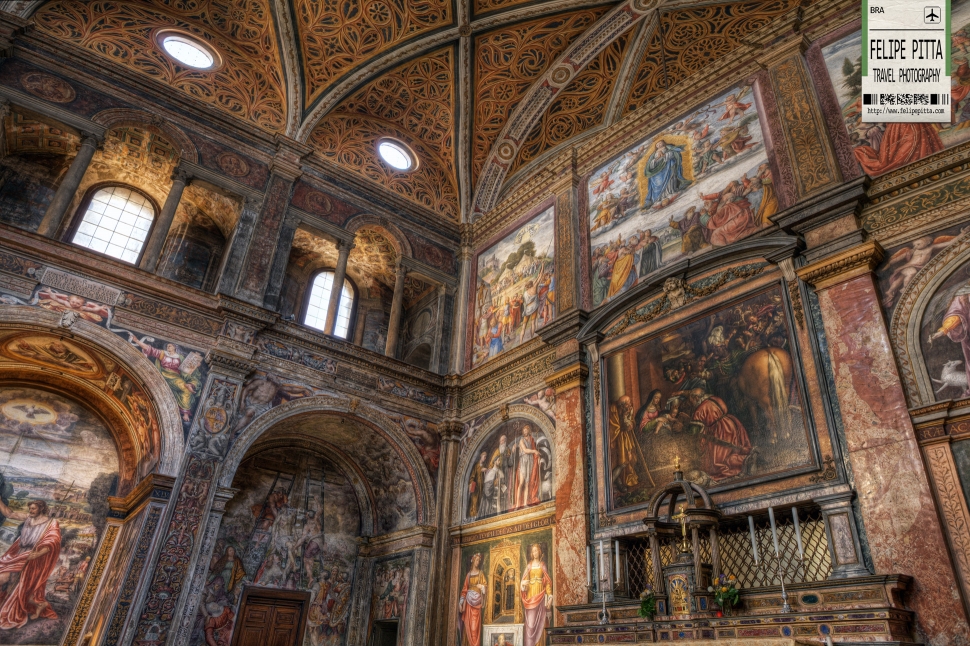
(502, 635)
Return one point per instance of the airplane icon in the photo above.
(931, 15)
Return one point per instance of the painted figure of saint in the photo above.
(27, 565)
(665, 175)
(471, 602)
(177, 370)
(476, 482)
(623, 451)
(536, 589)
(956, 322)
(526, 477)
(724, 439)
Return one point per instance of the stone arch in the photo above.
(904, 328)
(114, 348)
(351, 409)
(117, 117)
(397, 238)
(365, 497)
(516, 411)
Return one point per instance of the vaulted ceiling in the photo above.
(481, 90)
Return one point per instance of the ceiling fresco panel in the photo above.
(580, 106)
(337, 37)
(508, 61)
(690, 39)
(249, 83)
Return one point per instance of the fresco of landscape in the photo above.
(719, 393)
(882, 147)
(53, 509)
(702, 181)
(515, 292)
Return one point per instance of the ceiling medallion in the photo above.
(646, 5)
(506, 151)
(560, 75)
(234, 165)
(47, 87)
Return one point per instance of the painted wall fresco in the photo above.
(512, 470)
(515, 292)
(293, 525)
(903, 262)
(944, 338)
(702, 181)
(390, 590)
(880, 147)
(719, 393)
(79, 360)
(184, 369)
(60, 465)
(506, 588)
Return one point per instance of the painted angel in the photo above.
(909, 260)
(733, 108)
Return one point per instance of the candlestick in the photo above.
(616, 572)
(589, 569)
(754, 543)
(774, 532)
(798, 532)
(602, 568)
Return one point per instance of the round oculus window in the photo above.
(188, 52)
(395, 154)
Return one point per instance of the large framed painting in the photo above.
(719, 394)
(515, 292)
(701, 181)
(881, 147)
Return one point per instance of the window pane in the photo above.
(125, 223)
(319, 303)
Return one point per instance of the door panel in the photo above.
(271, 618)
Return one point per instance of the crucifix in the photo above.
(682, 519)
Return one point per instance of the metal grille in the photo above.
(734, 544)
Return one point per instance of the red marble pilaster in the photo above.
(898, 512)
(571, 505)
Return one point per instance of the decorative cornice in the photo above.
(844, 266)
(570, 377)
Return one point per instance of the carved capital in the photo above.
(844, 266)
(570, 377)
(450, 430)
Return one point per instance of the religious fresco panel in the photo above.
(390, 589)
(700, 182)
(293, 524)
(515, 292)
(506, 591)
(61, 465)
(720, 394)
(512, 470)
(882, 147)
(945, 336)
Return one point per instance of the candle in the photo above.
(798, 532)
(589, 569)
(754, 543)
(602, 568)
(616, 546)
(774, 532)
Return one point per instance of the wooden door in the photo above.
(269, 617)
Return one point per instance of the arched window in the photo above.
(318, 303)
(116, 222)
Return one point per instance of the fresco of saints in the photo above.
(956, 322)
(665, 175)
(178, 371)
(525, 486)
(471, 602)
(536, 588)
(27, 565)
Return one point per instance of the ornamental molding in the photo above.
(844, 266)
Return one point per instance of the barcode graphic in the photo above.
(906, 99)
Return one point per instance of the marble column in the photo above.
(188, 533)
(162, 224)
(339, 275)
(53, 219)
(450, 434)
(458, 333)
(895, 502)
(571, 492)
(235, 254)
(261, 253)
(397, 309)
(281, 258)
(435, 365)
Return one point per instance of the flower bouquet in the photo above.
(725, 591)
(648, 603)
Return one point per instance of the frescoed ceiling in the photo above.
(481, 92)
